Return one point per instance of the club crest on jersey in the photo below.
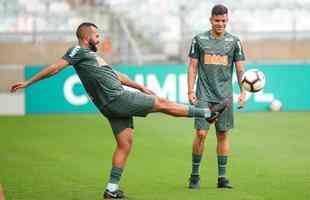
(228, 47)
(215, 59)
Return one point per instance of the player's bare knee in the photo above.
(201, 135)
(125, 143)
(125, 146)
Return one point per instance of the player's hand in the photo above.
(192, 98)
(241, 100)
(147, 91)
(19, 85)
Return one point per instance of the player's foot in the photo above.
(223, 182)
(194, 182)
(117, 194)
(217, 109)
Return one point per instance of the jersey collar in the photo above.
(213, 38)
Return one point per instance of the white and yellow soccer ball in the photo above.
(253, 80)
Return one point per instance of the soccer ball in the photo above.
(253, 80)
(275, 105)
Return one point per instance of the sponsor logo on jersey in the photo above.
(215, 59)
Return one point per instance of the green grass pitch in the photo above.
(68, 157)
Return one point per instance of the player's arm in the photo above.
(46, 72)
(194, 55)
(126, 81)
(239, 58)
(191, 77)
(240, 71)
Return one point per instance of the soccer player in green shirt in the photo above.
(213, 54)
(105, 88)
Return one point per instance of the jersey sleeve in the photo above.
(72, 55)
(194, 51)
(238, 52)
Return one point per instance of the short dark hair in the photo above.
(79, 31)
(219, 9)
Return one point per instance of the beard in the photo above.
(93, 45)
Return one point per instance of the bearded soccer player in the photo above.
(104, 86)
(213, 55)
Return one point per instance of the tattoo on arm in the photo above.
(239, 76)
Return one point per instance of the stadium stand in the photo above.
(141, 32)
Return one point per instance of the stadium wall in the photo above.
(288, 83)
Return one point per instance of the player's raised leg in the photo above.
(178, 110)
(124, 143)
(222, 158)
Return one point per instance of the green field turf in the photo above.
(68, 157)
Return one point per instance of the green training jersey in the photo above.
(99, 80)
(216, 57)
